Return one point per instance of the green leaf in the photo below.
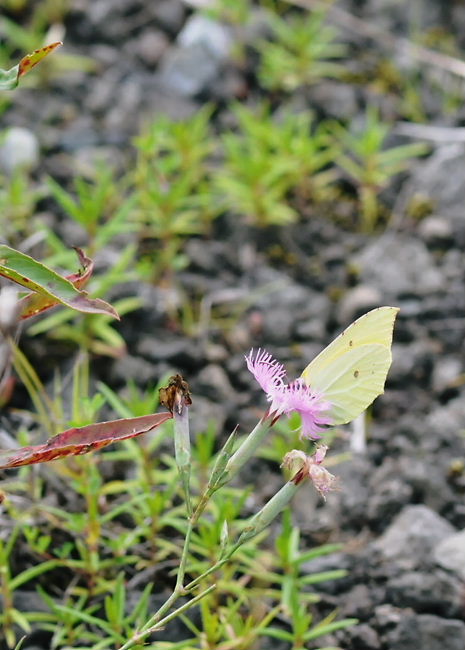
(37, 277)
(323, 576)
(328, 628)
(93, 620)
(276, 633)
(20, 620)
(33, 572)
(9, 79)
(317, 552)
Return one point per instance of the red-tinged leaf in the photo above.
(81, 278)
(37, 277)
(9, 79)
(7, 385)
(31, 60)
(35, 303)
(82, 440)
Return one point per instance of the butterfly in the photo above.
(350, 373)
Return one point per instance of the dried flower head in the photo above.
(311, 467)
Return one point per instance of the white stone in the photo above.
(19, 148)
(450, 553)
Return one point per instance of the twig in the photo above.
(430, 132)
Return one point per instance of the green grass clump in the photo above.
(268, 160)
(303, 51)
(170, 185)
(366, 161)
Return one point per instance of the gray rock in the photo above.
(334, 99)
(311, 324)
(448, 420)
(129, 368)
(213, 382)
(19, 148)
(450, 553)
(412, 362)
(452, 263)
(80, 133)
(198, 57)
(29, 601)
(427, 632)
(387, 617)
(359, 602)
(301, 310)
(440, 180)
(333, 562)
(203, 411)
(424, 472)
(362, 637)
(121, 115)
(205, 256)
(168, 13)
(413, 535)
(435, 231)
(189, 70)
(432, 591)
(397, 265)
(101, 95)
(149, 46)
(104, 55)
(447, 372)
(201, 29)
(88, 159)
(357, 301)
(257, 26)
(387, 498)
(179, 352)
(101, 12)
(346, 507)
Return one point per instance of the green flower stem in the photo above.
(179, 589)
(182, 448)
(270, 511)
(213, 568)
(247, 449)
(258, 523)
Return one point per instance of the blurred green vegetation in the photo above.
(268, 164)
(109, 533)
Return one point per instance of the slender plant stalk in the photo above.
(143, 634)
(157, 620)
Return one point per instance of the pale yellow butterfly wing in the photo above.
(350, 373)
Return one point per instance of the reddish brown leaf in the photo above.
(35, 303)
(81, 278)
(81, 440)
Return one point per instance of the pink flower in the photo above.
(286, 398)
